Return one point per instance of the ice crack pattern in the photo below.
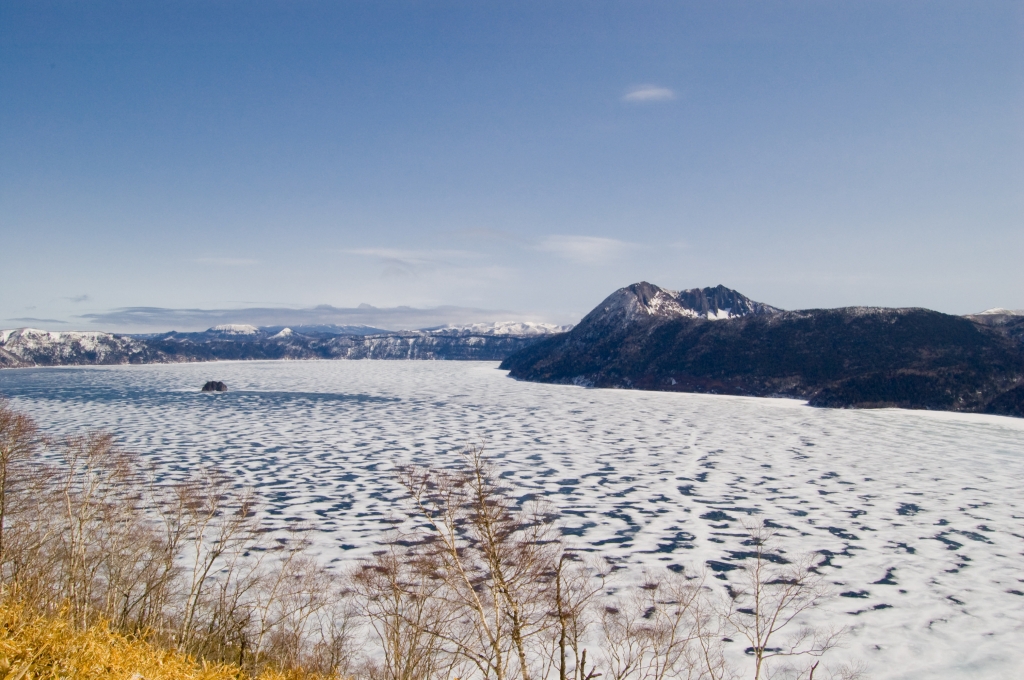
(916, 518)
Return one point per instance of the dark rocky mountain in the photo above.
(644, 304)
(646, 337)
(483, 342)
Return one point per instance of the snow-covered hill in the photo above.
(31, 346)
(517, 328)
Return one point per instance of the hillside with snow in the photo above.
(717, 341)
(26, 347)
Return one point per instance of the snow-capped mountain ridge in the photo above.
(483, 342)
(1000, 311)
(30, 346)
(518, 328)
(645, 301)
(235, 329)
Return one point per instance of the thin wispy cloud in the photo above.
(78, 298)
(641, 94)
(227, 261)
(585, 249)
(402, 262)
(390, 318)
(424, 255)
(32, 319)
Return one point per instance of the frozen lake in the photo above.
(922, 513)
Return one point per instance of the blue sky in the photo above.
(526, 157)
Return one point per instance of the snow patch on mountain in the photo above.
(519, 328)
(999, 311)
(235, 329)
(645, 302)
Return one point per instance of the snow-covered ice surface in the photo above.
(922, 513)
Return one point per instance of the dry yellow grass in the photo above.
(39, 648)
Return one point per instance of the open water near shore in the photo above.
(920, 513)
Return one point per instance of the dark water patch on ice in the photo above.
(681, 539)
(731, 508)
(974, 536)
(950, 543)
(886, 580)
(876, 608)
(717, 516)
(617, 539)
(578, 531)
(842, 533)
(774, 558)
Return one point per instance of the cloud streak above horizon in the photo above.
(585, 249)
(648, 93)
(386, 318)
(399, 262)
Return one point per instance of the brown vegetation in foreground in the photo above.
(105, 572)
(34, 646)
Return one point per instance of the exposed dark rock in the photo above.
(1009, 403)
(9, 360)
(720, 301)
(215, 386)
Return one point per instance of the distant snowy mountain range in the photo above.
(642, 336)
(491, 342)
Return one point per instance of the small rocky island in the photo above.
(215, 386)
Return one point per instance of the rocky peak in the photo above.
(645, 301)
(721, 303)
(638, 302)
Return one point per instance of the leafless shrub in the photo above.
(662, 629)
(766, 607)
(399, 594)
(19, 441)
(577, 585)
(509, 591)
